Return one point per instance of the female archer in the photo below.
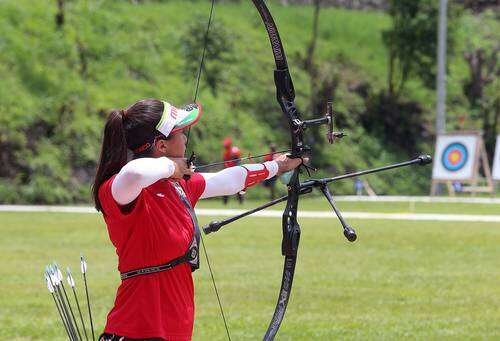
(147, 204)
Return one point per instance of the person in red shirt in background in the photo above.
(231, 153)
(147, 203)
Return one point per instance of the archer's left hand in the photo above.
(286, 164)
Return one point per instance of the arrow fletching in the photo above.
(53, 276)
(50, 287)
(58, 273)
(69, 278)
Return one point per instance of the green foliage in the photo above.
(481, 86)
(214, 48)
(398, 122)
(412, 40)
(59, 84)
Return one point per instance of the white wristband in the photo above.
(272, 167)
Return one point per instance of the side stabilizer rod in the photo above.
(349, 232)
(422, 160)
(215, 225)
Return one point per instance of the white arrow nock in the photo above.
(83, 264)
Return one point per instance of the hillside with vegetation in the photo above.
(63, 69)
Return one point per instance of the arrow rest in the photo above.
(308, 168)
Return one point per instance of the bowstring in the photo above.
(215, 288)
(200, 68)
(198, 77)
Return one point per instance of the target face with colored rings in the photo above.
(454, 157)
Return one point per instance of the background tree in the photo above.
(412, 42)
(218, 54)
(60, 14)
(482, 87)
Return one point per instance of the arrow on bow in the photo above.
(250, 157)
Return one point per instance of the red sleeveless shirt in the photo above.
(156, 230)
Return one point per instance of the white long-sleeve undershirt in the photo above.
(139, 174)
(231, 180)
(143, 172)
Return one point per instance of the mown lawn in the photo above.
(400, 280)
(320, 204)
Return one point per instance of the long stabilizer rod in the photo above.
(422, 160)
(307, 186)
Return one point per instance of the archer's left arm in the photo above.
(235, 179)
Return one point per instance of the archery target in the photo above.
(455, 157)
(496, 161)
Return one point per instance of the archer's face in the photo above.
(175, 146)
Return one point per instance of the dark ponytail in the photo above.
(113, 152)
(132, 129)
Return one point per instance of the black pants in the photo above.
(112, 337)
(240, 196)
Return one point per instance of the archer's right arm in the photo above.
(143, 172)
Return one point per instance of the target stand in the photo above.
(496, 163)
(459, 159)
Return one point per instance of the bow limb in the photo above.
(285, 96)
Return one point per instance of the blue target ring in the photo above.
(454, 157)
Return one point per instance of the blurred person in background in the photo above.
(230, 156)
(147, 203)
(358, 186)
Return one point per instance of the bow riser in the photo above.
(291, 228)
(296, 128)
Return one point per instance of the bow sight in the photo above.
(328, 120)
(285, 94)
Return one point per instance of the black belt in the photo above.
(189, 256)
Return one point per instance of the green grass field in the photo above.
(400, 280)
(320, 204)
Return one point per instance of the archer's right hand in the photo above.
(181, 168)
